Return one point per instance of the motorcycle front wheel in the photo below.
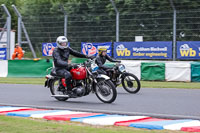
(106, 91)
(56, 89)
(130, 83)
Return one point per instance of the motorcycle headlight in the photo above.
(121, 68)
(94, 67)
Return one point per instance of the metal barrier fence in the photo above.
(153, 26)
(188, 25)
(111, 20)
(45, 27)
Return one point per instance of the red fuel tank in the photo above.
(78, 73)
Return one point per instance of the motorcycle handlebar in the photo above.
(88, 61)
(117, 64)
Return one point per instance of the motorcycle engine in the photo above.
(79, 91)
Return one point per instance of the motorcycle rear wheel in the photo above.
(131, 83)
(106, 91)
(54, 88)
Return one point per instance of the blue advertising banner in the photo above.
(47, 48)
(188, 50)
(92, 48)
(3, 53)
(143, 50)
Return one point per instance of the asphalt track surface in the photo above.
(155, 102)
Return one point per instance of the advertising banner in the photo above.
(47, 48)
(92, 48)
(3, 53)
(188, 50)
(143, 50)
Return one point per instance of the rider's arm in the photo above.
(100, 64)
(58, 60)
(76, 53)
(111, 59)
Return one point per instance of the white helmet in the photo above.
(62, 39)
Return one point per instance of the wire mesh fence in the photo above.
(84, 26)
(91, 23)
(188, 25)
(95, 21)
(41, 24)
(2, 18)
(153, 26)
(2, 27)
(92, 28)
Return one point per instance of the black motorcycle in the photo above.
(119, 75)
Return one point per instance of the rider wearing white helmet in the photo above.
(62, 42)
(60, 57)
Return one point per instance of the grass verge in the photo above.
(145, 84)
(24, 125)
(179, 85)
(39, 81)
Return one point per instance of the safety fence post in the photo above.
(174, 29)
(22, 26)
(8, 26)
(117, 20)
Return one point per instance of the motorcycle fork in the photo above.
(88, 86)
(112, 76)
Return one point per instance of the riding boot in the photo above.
(69, 89)
(68, 85)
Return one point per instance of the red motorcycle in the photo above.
(84, 81)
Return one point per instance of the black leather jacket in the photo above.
(100, 61)
(60, 57)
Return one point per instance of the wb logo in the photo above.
(122, 51)
(185, 50)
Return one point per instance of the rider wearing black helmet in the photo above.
(60, 57)
(101, 59)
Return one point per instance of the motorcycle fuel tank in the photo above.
(78, 73)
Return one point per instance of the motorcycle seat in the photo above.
(53, 73)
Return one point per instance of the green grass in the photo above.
(183, 85)
(22, 80)
(145, 84)
(29, 125)
(29, 55)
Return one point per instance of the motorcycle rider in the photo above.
(60, 58)
(101, 59)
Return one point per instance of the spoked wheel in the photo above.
(130, 83)
(106, 91)
(56, 89)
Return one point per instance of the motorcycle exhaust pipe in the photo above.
(60, 96)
